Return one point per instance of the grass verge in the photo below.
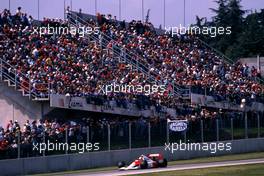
(190, 161)
(244, 170)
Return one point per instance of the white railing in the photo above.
(126, 55)
(21, 82)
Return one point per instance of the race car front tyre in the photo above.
(144, 165)
(121, 164)
(162, 163)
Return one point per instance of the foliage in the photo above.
(247, 37)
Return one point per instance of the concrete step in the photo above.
(20, 90)
(6, 80)
(40, 99)
(11, 85)
(25, 94)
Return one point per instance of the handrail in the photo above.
(227, 59)
(133, 61)
(6, 72)
(140, 66)
(127, 53)
(35, 95)
(107, 39)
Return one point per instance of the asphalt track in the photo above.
(171, 168)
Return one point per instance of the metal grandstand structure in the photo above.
(41, 91)
(22, 83)
(125, 55)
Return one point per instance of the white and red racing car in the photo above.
(145, 162)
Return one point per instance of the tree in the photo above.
(228, 14)
(220, 20)
(235, 18)
(251, 40)
(246, 38)
(221, 13)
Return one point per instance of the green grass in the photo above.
(244, 170)
(220, 158)
(191, 161)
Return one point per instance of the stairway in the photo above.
(126, 55)
(12, 79)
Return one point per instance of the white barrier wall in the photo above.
(80, 103)
(14, 106)
(111, 158)
(209, 102)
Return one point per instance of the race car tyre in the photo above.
(165, 163)
(162, 163)
(121, 164)
(144, 165)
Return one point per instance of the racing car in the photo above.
(145, 162)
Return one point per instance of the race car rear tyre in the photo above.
(121, 164)
(162, 163)
(165, 164)
(144, 165)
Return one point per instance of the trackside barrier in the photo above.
(131, 135)
(70, 162)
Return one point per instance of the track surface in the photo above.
(172, 168)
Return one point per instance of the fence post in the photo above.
(88, 134)
(201, 126)
(246, 125)
(217, 130)
(44, 141)
(109, 136)
(232, 129)
(18, 145)
(185, 136)
(168, 133)
(15, 79)
(129, 134)
(1, 69)
(149, 135)
(258, 124)
(66, 140)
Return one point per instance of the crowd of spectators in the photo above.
(15, 135)
(53, 130)
(24, 137)
(70, 64)
(76, 66)
(183, 60)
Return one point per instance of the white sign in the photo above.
(178, 125)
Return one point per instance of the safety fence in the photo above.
(138, 134)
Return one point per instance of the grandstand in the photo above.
(56, 80)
